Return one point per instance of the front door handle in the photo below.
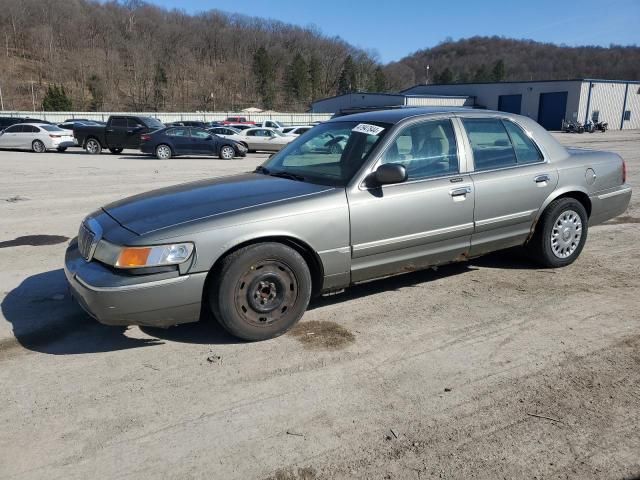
(542, 178)
(457, 192)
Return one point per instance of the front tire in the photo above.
(227, 153)
(38, 146)
(93, 147)
(163, 152)
(261, 291)
(561, 233)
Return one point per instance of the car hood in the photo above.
(189, 202)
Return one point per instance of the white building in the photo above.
(549, 102)
(364, 100)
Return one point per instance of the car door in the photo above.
(9, 139)
(116, 132)
(511, 179)
(26, 136)
(426, 220)
(180, 139)
(203, 143)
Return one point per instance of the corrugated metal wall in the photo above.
(288, 118)
(607, 99)
(356, 100)
(633, 105)
(438, 101)
(487, 94)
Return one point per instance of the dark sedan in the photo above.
(173, 141)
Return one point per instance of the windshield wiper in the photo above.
(290, 176)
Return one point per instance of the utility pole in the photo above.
(427, 81)
(1, 100)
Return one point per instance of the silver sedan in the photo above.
(407, 189)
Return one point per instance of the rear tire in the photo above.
(38, 146)
(163, 152)
(116, 151)
(93, 147)
(261, 291)
(560, 234)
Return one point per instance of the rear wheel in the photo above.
(93, 146)
(38, 146)
(163, 152)
(561, 233)
(227, 152)
(261, 291)
(116, 151)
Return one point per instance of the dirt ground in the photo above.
(488, 369)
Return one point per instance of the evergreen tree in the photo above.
(446, 76)
(315, 76)
(348, 82)
(96, 89)
(264, 71)
(498, 72)
(56, 100)
(481, 74)
(297, 78)
(379, 81)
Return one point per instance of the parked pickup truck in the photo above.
(119, 133)
(230, 120)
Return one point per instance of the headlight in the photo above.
(136, 257)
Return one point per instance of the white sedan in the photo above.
(227, 132)
(266, 139)
(296, 131)
(38, 137)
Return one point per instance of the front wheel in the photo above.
(561, 233)
(163, 152)
(227, 152)
(261, 291)
(38, 147)
(93, 146)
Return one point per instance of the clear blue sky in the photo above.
(395, 29)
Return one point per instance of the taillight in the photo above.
(624, 172)
(145, 138)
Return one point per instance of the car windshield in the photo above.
(152, 122)
(52, 128)
(329, 154)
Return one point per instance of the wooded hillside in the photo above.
(129, 55)
(482, 59)
(134, 56)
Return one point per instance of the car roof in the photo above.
(398, 114)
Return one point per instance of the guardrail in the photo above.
(283, 117)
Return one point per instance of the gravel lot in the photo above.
(488, 369)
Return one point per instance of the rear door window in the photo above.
(119, 122)
(490, 143)
(178, 132)
(526, 150)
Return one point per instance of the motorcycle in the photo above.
(602, 126)
(589, 127)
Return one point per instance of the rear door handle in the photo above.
(542, 178)
(457, 192)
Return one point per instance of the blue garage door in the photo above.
(510, 103)
(552, 109)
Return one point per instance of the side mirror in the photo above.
(389, 173)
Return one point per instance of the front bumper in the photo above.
(113, 298)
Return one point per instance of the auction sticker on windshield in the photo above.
(368, 129)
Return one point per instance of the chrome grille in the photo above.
(85, 242)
